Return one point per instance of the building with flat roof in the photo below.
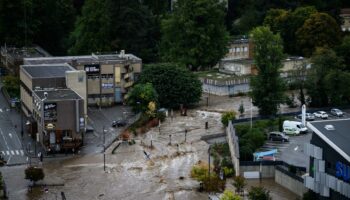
(56, 113)
(109, 76)
(12, 57)
(329, 151)
(39, 77)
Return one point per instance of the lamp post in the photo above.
(104, 149)
(209, 164)
(21, 118)
(251, 113)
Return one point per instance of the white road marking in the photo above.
(17, 152)
(10, 134)
(3, 152)
(2, 134)
(296, 148)
(0, 110)
(22, 153)
(7, 153)
(12, 152)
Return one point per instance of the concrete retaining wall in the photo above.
(290, 183)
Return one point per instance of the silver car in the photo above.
(321, 114)
(337, 112)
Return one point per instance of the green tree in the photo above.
(336, 87)
(12, 26)
(140, 96)
(239, 183)
(133, 28)
(228, 195)
(158, 7)
(194, 34)
(227, 116)
(343, 50)
(115, 25)
(259, 193)
(319, 30)
(51, 22)
(287, 23)
(175, 85)
(34, 174)
(91, 33)
(11, 84)
(267, 87)
(324, 60)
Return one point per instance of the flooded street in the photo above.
(131, 175)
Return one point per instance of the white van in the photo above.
(293, 128)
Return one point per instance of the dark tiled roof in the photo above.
(47, 71)
(340, 136)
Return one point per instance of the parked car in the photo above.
(278, 136)
(119, 123)
(321, 114)
(308, 117)
(293, 127)
(337, 112)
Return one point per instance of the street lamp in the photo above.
(209, 164)
(104, 149)
(21, 119)
(251, 113)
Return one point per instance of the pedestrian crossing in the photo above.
(19, 152)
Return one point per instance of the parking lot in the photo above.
(330, 116)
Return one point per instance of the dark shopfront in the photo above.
(62, 124)
(329, 174)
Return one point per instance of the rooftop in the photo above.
(337, 137)
(24, 52)
(111, 57)
(57, 94)
(47, 71)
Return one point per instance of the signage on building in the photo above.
(342, 171)
(92, 69)
(50, 112)
(107, 85)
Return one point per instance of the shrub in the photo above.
(214, 184)
(228, 195)
(34, 174)
(228, 172)
(199, 171)
(259, 193)
(161, 116)
(226, 162)
(227, 116)
(239, 183)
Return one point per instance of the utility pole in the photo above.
(104, 149)
(251, 113)
(21, 119)
(209, 164)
